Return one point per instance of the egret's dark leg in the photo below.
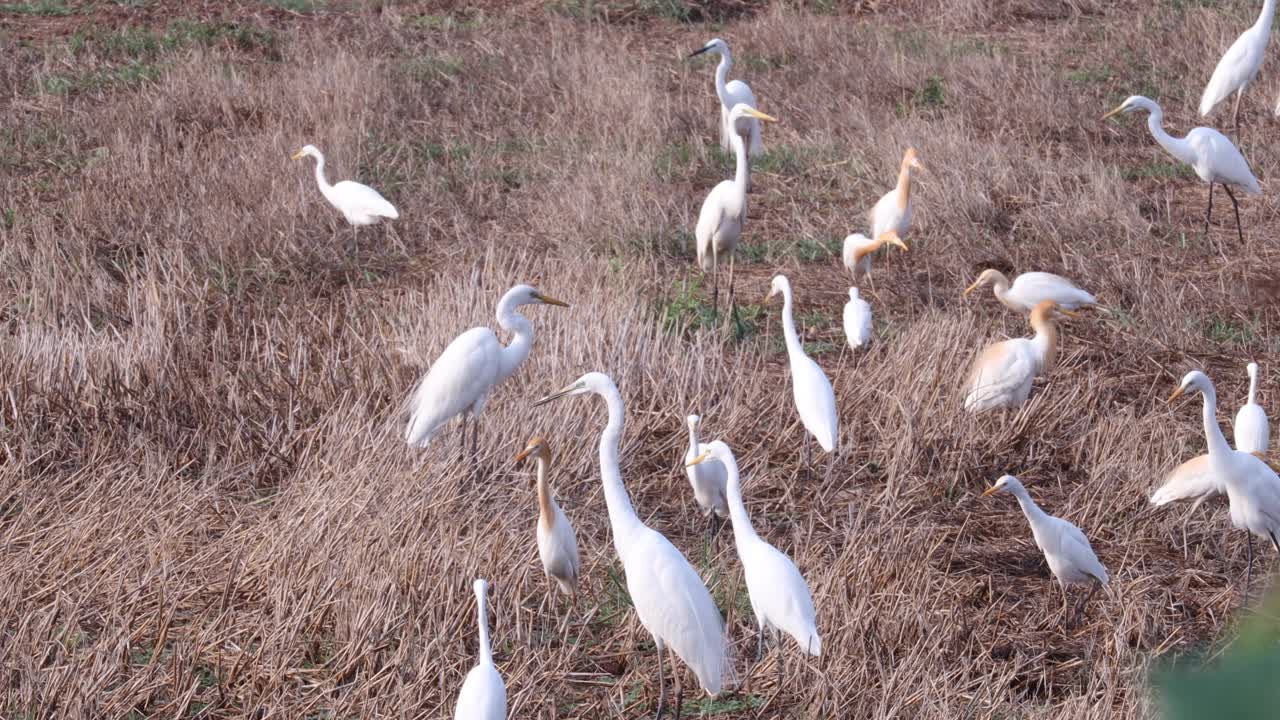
(715, 280)
(677, 675)
(462, 440)
(1248, 574)
(1235, 113)
(1236, 206)
(782, 657)
(831, 463)
(732, 305)
(662, 686)
(475, 438)
(1080, 613)
(1208, 214)
(760, 640)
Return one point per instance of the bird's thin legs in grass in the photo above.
(1248, 573)
(662, 685)
(677, 675)
(462, 440)
(1235, 113)
(831, 463)
(1085, 602)
(715, 284)
(475, 438)
(1236, 206)
(760, 640)
(732, 306)
(1208, 214)
(782, 662)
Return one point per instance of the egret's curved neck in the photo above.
(622, 516)
(1253, 384)
(1263, 24)
(742, 528)
(482, 608)
(1046, 340)
(516, 351)
(789, 325)
(742, 166)
(904, 185)
(321, 180)
(1218, 446)
(1000, 285)
(1029, 507)
(1177, 147)
(693, 439)
(545, 514)
(722, 78)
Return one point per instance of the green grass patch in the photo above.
(434, 68)
(729, 705)
(814, 250)
(673, 161)
(47, 8)
(1159, 170)
(1230, 330)
(687, 308)
(930, 95)
(302, 7)
(132, 73)
(1092, 76)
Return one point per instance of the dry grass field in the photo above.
(206, 506)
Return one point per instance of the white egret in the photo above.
(460, 380)
(359, 204)
(858, 249)
(730, 94)
(724, 211)
(1214, 158)
(483, 695)
(1003, 373)
(557, 543)
(707, 479)
(1239, 66)
(1252, 487)
(857, 320)
(669, 597)
(780, 597)
(893, 210)
(1032, 288)
(815, 400)
(1251, 430)
(1065, 546)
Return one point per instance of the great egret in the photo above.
(1252, 486)
(671, 600)
(707, 479)
(557, 543)
(1002, 374)
(724, 211)
(857, 320)
(1239, 66)
(893, 210)
(1032, 288)
(483, 695)
(359, 204)
(858, 249)
(815, 400)
(780, 597)
(1065, 547)
(731, 94)
(1214, 158)
(1252, 432)
(460, 380)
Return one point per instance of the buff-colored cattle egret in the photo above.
(893, 210)
(1251, 429)
(1003, 373)
(1252, 486)
(1239, 66)
(815, 400)
(707, 479)
(857, 320)
(858, 249)
(483, 695)
(557, 543)
(1064, 545)
(460, 380)
(1032, 288)
(730, 94)
(780, 597)
(1214, 158)
(359, 204)
(671, 600)
(724, 211)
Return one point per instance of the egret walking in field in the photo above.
(858, 249)
(483, 695)
(857, 320)
(671, 600)
(780, 597)
(1032, 288)
(1003, 373)
(1064, 545)
(1252, 486)
(1251, 429)
(1214, 158)
(1239, 66)
(460, 380)
(893, 210)
(707, 479)
(359, 204)
(814, 398)
(724, 211)
(557, 543)
(732, 93)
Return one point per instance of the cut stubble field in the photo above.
(206, 506)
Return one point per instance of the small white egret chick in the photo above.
(893, 210)
(1214, 158)
(857, 320)
(732, 93)
(1065, 547)
(460, 380)
(1032, 288)
(1239, 66)
(1003, 373)
(557, 543)
(815, 399)
(858, 249)
(780, 597)
(1251, 429)
(359, 204)
(707, 478)
(483, 695)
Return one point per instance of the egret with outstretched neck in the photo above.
(483, 695)
(731, 93)
(1239, 65)
(1251, 429)
(814, 398)
(359, 204)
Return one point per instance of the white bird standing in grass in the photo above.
(1252, 486)
(724, 211)
(815, 400)
(857, 320)
(780, 597)
(893, 210)
(483, 695)
(1065, 546)
(1032, 288)
(1214, 158)
(1252, 432)
(359, 204)
(669, 597)
(557, 543)
(707, 479)
(1003, 373)
(859, 248)
(1239, 66)
(460, 380)
(731, 94)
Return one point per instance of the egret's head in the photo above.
(912, 159)
(527, 295)
(592, 382)
(1006, 483)
(1252, 369)
(307, 151)
(779, 284)
(481, 587)
(716, 450)
(715, 45)
(536, 448)
(853, 293)
(1047, 310)
(742, 111)
(693, 421)
(1132, 103)
(987, 276)
(1192, 383)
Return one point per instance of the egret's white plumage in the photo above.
(893, 210)
(814, 397)
(1003, 373)
(857, 320)
(1239, 66)
(359, 204)
(484, 694)
(859, 248)
(707, 478)
(730, 93)
(780, 597)
(1032, 288)
(668, 595)
(557, 543)
(1251, 429)
(460, 380)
